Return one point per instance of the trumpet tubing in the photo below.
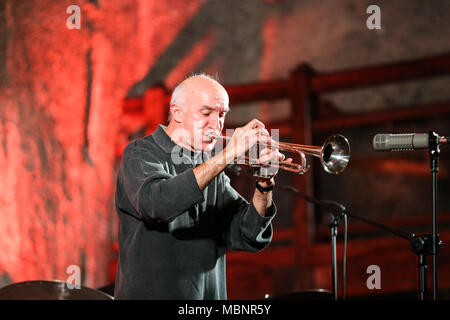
(334, 154)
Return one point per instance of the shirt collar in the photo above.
(163, 140)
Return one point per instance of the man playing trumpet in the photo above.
(177, 218)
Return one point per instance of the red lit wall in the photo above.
(61, 94)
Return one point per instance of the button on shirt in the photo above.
(172, 236)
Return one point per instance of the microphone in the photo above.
(406, 141)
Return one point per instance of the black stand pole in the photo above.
(434, 167)
(422, 277)
(334, 231)
(336, 211)
(423, 246)
(333, 219)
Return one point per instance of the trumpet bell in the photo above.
(335, 154)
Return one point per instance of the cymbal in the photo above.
(49, 290)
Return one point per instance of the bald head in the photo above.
(194, 85)
(198, 105)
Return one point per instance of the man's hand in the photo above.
(269, 161)
(244, 138)
(268, 158)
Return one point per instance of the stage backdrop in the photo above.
(62, 89)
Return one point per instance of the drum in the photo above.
(49, 290)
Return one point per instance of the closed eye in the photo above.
(207, 111)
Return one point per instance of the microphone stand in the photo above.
(337, 210)
(420, 245)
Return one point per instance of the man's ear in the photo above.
(176, 111)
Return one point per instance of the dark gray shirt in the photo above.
(172, 236)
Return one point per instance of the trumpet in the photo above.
(334, 155)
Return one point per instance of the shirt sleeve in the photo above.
(243, 227)
(153, 193)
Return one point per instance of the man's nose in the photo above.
(215, 123)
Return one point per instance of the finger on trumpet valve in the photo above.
(268, 156)
(262, 132)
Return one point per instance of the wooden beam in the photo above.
(381, 74)
(284, 127)
(301, 120)
(270, 90)
(348, 79)
(392, 165)
(358, 119)
(280, 89)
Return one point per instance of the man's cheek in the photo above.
(199, 125)
(197, 118)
